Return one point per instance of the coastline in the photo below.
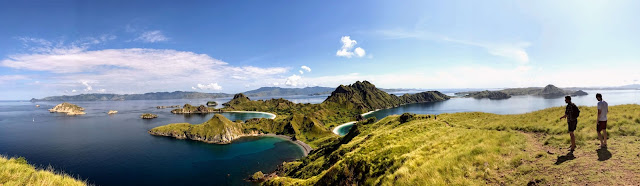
(306, 149)
(367, 113)
(335, 129)
(272, 116)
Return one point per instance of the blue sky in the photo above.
(75, 47)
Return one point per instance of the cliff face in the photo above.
(364, 96)
(218, 130)
(68, 108)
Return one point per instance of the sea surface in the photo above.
(117, 150)
(513, 105)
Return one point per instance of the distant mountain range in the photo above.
(145, 96)
(261, 92)
(549, 91)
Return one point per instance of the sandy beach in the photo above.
(272, 116)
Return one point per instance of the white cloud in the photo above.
(210, 86)
(359, 52)
(275, 84)
(74, 91)
(7, 78)
(301, 72)
(152, 37)
(87, 86)
(514, 51)
(293, 80)
(347, 46)
(134, 70)
(306, 68)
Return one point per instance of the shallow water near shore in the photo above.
(117, 150)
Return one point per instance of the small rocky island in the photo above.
(148, 116)
(212, 104)
(190, 109)
(68, 108)
(171, 106)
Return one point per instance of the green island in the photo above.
(16, 171)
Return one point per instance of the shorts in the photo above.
(602, 125)
(572, 125)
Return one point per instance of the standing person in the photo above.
(571, 113)
(603, 110)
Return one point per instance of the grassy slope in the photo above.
(477, 148)
(215, 126)
(16, 171)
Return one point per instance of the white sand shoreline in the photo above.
(335, 129)
(367, 113)
(271, 115)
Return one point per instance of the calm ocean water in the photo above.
(117, 150)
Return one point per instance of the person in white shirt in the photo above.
(603, 110)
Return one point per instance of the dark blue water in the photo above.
(513, 105)
(117, 150)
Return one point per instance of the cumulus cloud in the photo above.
(301, 72)
(152, 37)
(347, 46)
(210, 86)
(303, 67)
(293, 80)
(359, 52)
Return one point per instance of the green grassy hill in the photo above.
(217, 130)
(16, 171)
(476, 149)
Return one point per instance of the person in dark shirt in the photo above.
(572, 119)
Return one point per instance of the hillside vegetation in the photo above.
(476, 149)
(16, 171)
(310, 123)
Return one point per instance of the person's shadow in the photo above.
(564, 158)
(603, 154)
